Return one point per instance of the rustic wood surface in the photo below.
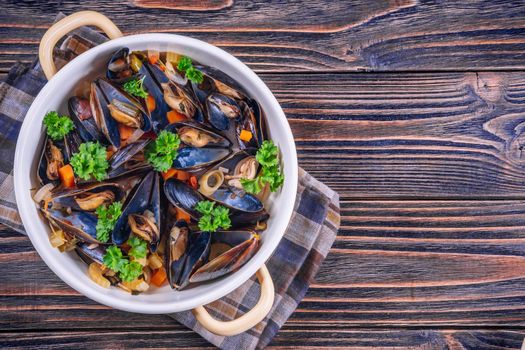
(426, 149)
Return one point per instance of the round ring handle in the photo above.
(249, 319)
(64, 26)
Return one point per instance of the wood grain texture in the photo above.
(289, 338)
(302, 36)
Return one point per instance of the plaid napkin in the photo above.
(293, 265)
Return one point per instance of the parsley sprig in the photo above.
(107, 218)
(268, 158)
(57, 126)
(213, 217)
(161, 153)
(186, 65)
(127, 270)
(139, 247)
(90, 161)
(135, 87)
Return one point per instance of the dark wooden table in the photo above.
(414, 112)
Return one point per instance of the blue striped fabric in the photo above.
(293, 265)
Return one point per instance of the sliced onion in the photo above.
(204, 182)
(44, 193)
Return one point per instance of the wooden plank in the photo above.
(302, 36)
(395, 263)
(434, 135)
(288, 338)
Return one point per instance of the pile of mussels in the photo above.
(216, 111)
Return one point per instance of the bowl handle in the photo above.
(249, 319)
(64, 26)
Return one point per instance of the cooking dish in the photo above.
(54, 96)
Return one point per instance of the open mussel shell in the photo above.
(229, 251)
(238, 200)
(102, 115)
(182, 196)
(145, 196)
(179, 99)
(127, 153)
(196, 135)
(217, 80)
(187, 252)
(125, 107)
(130, 168)
(251, 120)
(51, 159)
(223, 111)
(153, 80)
(89, 253)
(72, 142)
(81, 224)
(85, 123)
(119, 68)
(193, 158)
(87, 197)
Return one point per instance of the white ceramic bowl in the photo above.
(54, 96)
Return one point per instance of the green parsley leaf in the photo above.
(194, 75)
(267, 154)
(184, 64)
(221, 217)
(205, 207)
(90, 161)
(107, 218)
(130, 271)
(113, 258)
(57, 126)
(161, 153)
(213, 217)
(139, 247)
(135, 87)
(268, 157)
(251, 185)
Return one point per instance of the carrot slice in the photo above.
(125, 131)
(158, 277)
(182, 215)
(150, 103)
(245, 135)
(193, 182)
(182, 175)
(153, 56)
(67, 176)
(169, 174)
(174, 116)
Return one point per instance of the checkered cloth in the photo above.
(293, 265)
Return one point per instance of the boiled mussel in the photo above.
(85, 124)
(87, 197)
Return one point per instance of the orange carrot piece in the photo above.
(67, 176)
(150, 103)
(245, 135)
(182, 175)
(153, 56)
(193, 182)
(125, 131)
(158, 277)
(109, 153)
(169, 174)
(182, 215)
(174, 116)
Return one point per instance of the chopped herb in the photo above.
(135, 87)
(213, 217)
(161, 153)
(139, 247)
(268, 157)
(107, 218)
(186, 65)
(128, 270)
(90, 161)
(57, 126)
(113, 258)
